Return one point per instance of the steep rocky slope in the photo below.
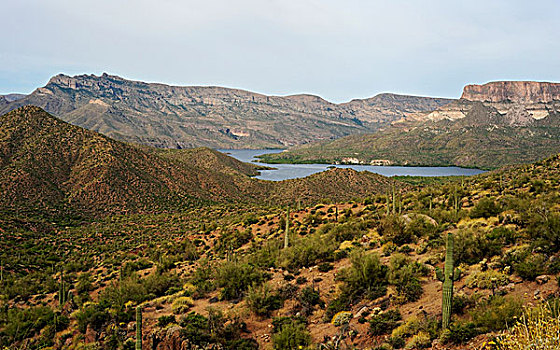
(183, 117)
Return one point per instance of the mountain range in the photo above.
(491, 125)
(184, 117)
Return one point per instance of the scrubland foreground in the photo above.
(272, 273)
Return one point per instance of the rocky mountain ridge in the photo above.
(519, 103)
(182, 117)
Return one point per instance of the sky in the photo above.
(338, 50)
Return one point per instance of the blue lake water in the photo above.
(292, 171)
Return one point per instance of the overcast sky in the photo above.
(336, 49)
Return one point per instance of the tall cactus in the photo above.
(287, 232)
(449, 275)
(138, 328)
(61, 292)
(394, 204)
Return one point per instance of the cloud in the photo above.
(339, 50)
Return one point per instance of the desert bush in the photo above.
(234, 278)
(215, 331)
(233, 239)
(485, 208)
(460, 332)
(461, 302)
(366, 277)
(421, 340)
(325, 267)
(420, 227)
(201, 278)
(181, 305)
(292, 336)
(503, 235)
(486, 279)
(471, 246)
(308, 251)
(341, 303)
(496, 313)
(346, 231)
(538, 329)
(403, 274)
(166, 320)
(94, 315)
(341, 318)
(532, 267)
(308, 298)
(392, 228)
(262, 300)
(19, 324)
(384, 322)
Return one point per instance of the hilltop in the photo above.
(492, 125)
(184, 117)
(52, 168)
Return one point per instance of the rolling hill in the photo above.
(50, 167)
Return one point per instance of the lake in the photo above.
(292, 171)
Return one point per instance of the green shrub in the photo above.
(325, 267)
(471, 246)
(532, 267)
(421, 340)
(496, 313)
(181, 305)
(460, 303)
(486, 279)
(403, 274)
(420, 227)
(23, 323)
(308, 298)
(308, 251)
(166, 320)
(460, 332)
(235, 278)
(384, 322)
(485, 208)
(392, 228)
(366, 277)
(292, 336)
(336, 305)
(262, 300)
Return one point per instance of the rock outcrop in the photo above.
(513, 91)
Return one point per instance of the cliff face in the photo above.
(513, 91)
(518, 103)
(189, 116)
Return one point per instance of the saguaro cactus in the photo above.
(138, 328)
(287, 232)
(449, 275)
(61, 291)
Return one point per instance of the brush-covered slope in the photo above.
(184, 117)
(49, 166)
(483, 138)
